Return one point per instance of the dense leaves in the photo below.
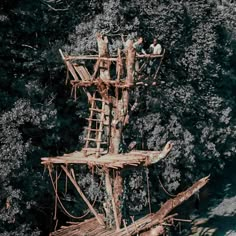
(193, 103)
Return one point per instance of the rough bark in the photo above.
(130, 57)
(118, 191)
(103, 52)
(111, 206)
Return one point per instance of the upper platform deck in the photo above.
(84, 77)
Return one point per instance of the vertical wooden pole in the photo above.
(55, 207)
(103, 52)
(118, 191)
(130, 57)
(111, 197)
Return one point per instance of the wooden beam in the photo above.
(90, 57)
(99, 219)
(149, 56)
(113, 58)
(155, 76)
(110, 194)
(117, 192)
(69, 66)
(152, 159)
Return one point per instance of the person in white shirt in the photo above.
(155, 48)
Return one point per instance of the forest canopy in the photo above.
(193, 103)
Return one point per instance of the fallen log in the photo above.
(147, 222)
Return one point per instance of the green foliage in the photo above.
(16, 149)
(193, 104)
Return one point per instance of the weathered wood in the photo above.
(149, 56)
(142, 158)
(112, 58)
(83, 72)
(117, 192)
(103, 52)
(69, 66)
(111, 198)
(152, 159)
(99, 136)
(130, 58)
(91, 57)
(99, 219)
(113, 112)
(89, 227)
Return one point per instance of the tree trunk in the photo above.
(103, 52)
(130, 57)
(118, 191)
(111, 206)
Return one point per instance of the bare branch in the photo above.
(55, 9)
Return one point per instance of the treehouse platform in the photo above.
(114, 161)
(91, 227)
(109, 81)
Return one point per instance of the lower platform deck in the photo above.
(133, 158)
(88, 227)
(91, 227)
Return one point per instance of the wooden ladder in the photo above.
(95, 125)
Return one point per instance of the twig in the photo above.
(28, 46)
(55, 9)
(182, 220)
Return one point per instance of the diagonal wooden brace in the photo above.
(99, 219)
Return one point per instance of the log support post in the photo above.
(114, 194)
(118, 192)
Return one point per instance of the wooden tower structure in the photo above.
(108, 87)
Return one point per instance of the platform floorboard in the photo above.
(88, 227)
(133, 158)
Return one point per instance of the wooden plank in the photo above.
(91, 57)
(69, 66)
(110, 194)
(83, 72)
(111, 160)
(149, 56)
(95, 130)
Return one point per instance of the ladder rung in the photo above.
(92, 149)
(90, 139)
(95, 140)
(92, 119)
(98, 130)
(95, 109)
(98, 99)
